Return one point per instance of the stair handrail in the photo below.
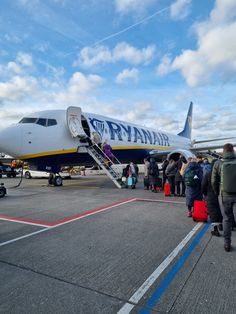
(104, 154)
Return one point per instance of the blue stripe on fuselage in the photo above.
(70, 159)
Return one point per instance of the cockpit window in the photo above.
(40, 121)
(52, 122)
(28, 120)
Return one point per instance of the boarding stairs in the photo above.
(213, 154)
(106, 164)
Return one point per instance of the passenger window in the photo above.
(28, 120)
(52, 122)
(42, 122)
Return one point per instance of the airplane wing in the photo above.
(213, 140)
(198, 149)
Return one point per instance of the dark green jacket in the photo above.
(216, 180)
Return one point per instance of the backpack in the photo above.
(153, 170)
(190, 178)
(228, 176)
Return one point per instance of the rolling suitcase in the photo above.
(131, 182)
(167, 189)
(200, 212)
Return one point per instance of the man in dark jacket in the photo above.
(212, 201)
(171, 172)
(179, 182)
(193, 190)
(227, 200)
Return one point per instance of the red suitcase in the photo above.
(167, 189)
(200, 212)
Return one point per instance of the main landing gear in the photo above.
(55, 180)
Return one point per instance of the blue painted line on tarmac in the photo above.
(172, 273)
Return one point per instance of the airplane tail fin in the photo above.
(188, 123)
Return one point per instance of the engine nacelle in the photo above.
(176, 153)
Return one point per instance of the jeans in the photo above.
(178, 184)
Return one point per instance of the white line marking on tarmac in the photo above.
(25, 222)
(153, 277)
(64, 223)
(26, 236)
(159, 201)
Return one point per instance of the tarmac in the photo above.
(88, 247)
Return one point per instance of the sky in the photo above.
(141, 61)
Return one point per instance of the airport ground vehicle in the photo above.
(3, 190)
(28, 174)
(7, 170)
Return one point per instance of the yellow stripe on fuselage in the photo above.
(42, 154)
(73, 150)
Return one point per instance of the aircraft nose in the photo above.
(10, 141)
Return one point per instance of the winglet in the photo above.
(188, 123)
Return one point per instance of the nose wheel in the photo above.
(55, 180)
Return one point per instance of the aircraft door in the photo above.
(73, 117)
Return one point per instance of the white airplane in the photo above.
(48, 140)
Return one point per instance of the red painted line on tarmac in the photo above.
(29, 221)
(93, 211)
(57, 222)
(81, 215)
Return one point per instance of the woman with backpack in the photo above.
(192, 179)
(153, 175)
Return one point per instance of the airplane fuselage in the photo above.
(44, 140)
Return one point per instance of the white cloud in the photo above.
(165, 66)
(127, 74)
(89, 56)
(79, 87)
(123, 51)
(12, 38)
(139, 112)
(215, 56)
(136, 6)
(130, 54)
(13, 67)
(224, 11)
(180, 9)
(42, 47)
(204, 123)
(25, 59)
(17, 88)
(79, 83)
(166, 122)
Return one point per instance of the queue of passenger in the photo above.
(196, 179)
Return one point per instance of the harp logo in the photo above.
(98, 126)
